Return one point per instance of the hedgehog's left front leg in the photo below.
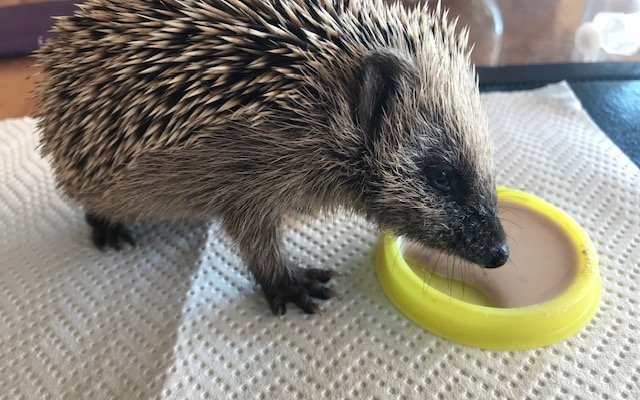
(107, 233)
(260, 244)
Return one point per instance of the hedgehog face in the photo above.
(458, 208)
(430, 171)
(422, 192)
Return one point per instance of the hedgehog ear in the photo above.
(383, 75)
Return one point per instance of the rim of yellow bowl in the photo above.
(496, 328)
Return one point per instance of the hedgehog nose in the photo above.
(498, 256)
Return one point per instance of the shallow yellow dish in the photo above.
(470, 319)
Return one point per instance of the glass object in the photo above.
(610, 31)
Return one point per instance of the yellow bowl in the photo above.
(490, 327)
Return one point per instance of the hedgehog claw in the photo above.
(108, 234)
(299, 289)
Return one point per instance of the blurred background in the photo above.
(505, 32)
(514, 32)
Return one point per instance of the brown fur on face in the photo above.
(247, 110)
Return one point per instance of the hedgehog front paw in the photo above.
(299, 288)
(107, 233)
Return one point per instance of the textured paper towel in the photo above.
(179, 317)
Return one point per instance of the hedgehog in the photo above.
(246, 111)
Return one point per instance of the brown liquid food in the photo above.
(542, 264)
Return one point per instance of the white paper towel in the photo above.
(179, 317)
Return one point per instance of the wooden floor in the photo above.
(17, 80)
(534, 32)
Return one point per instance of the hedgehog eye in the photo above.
(441, 178)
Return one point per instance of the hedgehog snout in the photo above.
(496, 251)
(498, 256)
